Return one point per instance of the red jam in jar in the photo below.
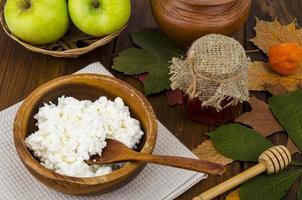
(209, 115)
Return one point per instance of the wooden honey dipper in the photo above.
(272, 161)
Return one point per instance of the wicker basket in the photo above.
(72, 45)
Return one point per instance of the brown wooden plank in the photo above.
(21, 71)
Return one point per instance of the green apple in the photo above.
(37, 21)
(99, 17)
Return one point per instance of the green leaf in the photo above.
(296, 162)
(134, 61)
(269, 187)
(239, 142)
(154, 59)
(156, 42)
(153, 85)
(287, 108)
(299, 192)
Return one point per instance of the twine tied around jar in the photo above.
(214, 71)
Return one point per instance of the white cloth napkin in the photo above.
(154, 182)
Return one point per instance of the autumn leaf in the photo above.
(274, 33)
(239, 142)
(207, 151)
(175, 97)
(269, 187)
(291, 146)
(260, 118)
(269, 34)
(288, 109)
(275, 89)
(152, 58)
(141, 77)
(260, 75)
(233, 195)
(299, 193)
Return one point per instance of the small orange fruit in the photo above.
(285, 58)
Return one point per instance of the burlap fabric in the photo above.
(214, 70)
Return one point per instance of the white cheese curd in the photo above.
(71, 131)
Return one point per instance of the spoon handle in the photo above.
(181, 162)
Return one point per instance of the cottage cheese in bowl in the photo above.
(72, 130)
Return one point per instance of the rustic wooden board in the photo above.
(21, 71)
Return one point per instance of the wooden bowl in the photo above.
(184, 21)
(73, 44)
(91, 87)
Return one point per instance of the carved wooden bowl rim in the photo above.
(22, 119)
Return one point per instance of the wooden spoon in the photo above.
(116, 151)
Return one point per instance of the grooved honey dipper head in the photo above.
(275, 159)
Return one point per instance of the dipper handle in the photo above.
(272, 161)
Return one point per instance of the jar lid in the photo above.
(214, 70)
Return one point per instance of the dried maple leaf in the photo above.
(175, 97)
(275, 89)
(207, 151)
(260, 74)
(141, 77)
(274, 33)
(291, 146)
(269, 34)
(233, 195)
(260, 118)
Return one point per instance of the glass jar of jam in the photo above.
(214, 72)
(209, 115)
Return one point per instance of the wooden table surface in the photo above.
(21, 71)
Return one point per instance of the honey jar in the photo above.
(184, 21)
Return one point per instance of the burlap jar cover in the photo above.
(214, 71)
